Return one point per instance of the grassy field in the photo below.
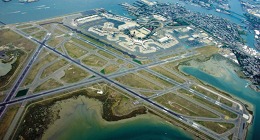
(144, 62)
(64, 28)
(54, 67)
(107, 55)
(7, 119)
(82, 43)
(36, 67)
(74, 74)
(120, 61)
(2, 97)
(54, 41)
(93, 60)
(7, 36)
(116, 51)
(207, 103)
(58, 19)
(47, 27)
(58, 32)
(167, 74)
(218, 127)
(130, 65)
(205, 52)
(94, 41)
(30, 30)
(156, 79)
(205, 92)
(39, 35)
(226, 102)
(168, 56)
(211, 95)
(147, 94)
(23, 26)
(110, 69)
(136, 81)
(47, 85)
(74, 51)
(183, 106)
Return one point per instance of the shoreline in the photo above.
(247, 105)
(231, 65)
(250, 108)
(43, 108)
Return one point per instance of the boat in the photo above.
(27, 1)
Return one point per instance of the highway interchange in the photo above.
(9, 100)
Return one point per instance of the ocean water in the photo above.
(15, 12)
(236, 87)
(88, 124)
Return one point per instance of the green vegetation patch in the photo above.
(93, 60)
(110, 69)
(21, 93)
(133, 80)
(137, 61)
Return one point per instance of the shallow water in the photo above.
(236, 87)
(84, 123)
